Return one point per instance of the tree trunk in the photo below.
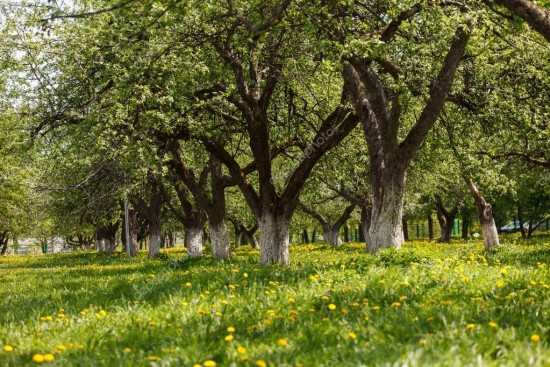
(254, 241)
(274, 239)
(331, 235)
(430, 227)
(134, 228)
(405, 229)
(485, 214)
(314, 236)
(105, 238)
(155, 238)
(305, 237)
(536, 17)
(520, 220)
(193, 241)
(446, 226)
(219, 237)
(215, 208)
(386, 229)
(4, 243)
(366, 216)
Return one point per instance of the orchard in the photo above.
(274, 182)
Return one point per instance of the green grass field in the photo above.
(427, 304)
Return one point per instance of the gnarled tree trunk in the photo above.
(331, 231)
(194, 231)
(380, 113)
(215, 208)
(485, 215)
(446, 219)
(386, 229)
(105, 238)
(154, 210)
(366, 216)
(4, 242)
(274, 238)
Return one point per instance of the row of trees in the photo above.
(204, 112)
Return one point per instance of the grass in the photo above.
(427, 304)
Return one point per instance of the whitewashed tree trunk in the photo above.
(386, 229)
(219, 236)
(155, 239)
(274, 239)
(485, 215)
(490, 234)
(254, 240)
(193, 241)
(331, 235)
(366, 217)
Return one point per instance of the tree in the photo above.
(536, 17)
(380, 109)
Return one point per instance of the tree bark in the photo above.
(219, 237)
(154, 210)
(215, 209)
(520, 220)
(134, 228)
(331, 231)
(446, 219)
(386, 229)
(346, 233)
(366, 216)
(536, 17)
(485, 215)
(4, 242)
(105, 238)
(305, 236)
(331, 235)
(274, 239)
(194, 238)
(380, 114)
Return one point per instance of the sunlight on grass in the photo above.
(427, 304)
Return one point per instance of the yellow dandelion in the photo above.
(127, 350)
(499, 284)
(403, 298)
(470, 326)
(376, 308)
(228, 338)
(261, 363)
(535, 338)
(49, 357)
(153, 358)
(231, 329)
(209, 363)
(332, 307)
(38, 358)
(8, 348)
(352, 335)
(245, 275)
(241, 350)
(493, 324)
(396, 304)
(282, 342)
(188, 284)
(422, 342)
